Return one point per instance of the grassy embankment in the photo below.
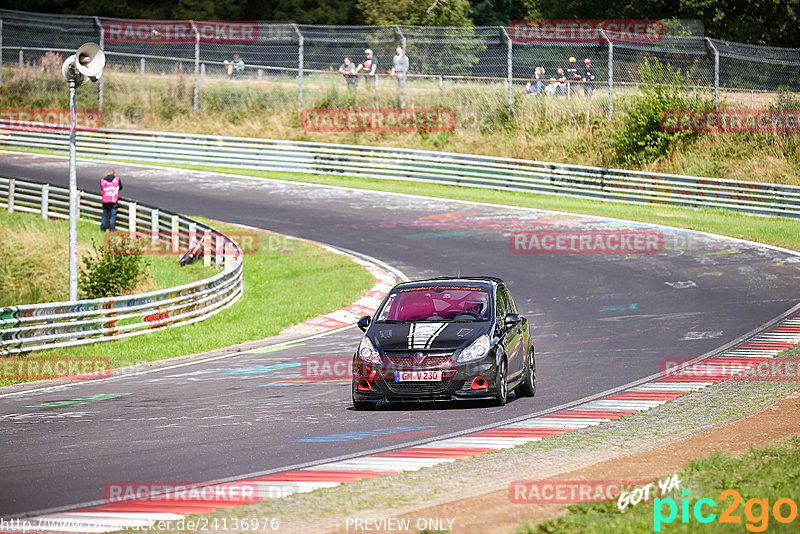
(549, 129)
(270, 303)
(763, 475)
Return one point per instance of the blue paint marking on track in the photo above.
(621, 307)
(355, 436)
(263, 369)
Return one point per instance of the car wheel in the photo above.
(502, 385)
(364, 405)
(528, 386)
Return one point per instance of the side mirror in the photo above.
(363, 323)
(511, 319)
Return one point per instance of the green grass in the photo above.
(284, 284)
(34, 260)
(771, 473)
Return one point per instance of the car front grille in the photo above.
(432, 360)
(417, 388)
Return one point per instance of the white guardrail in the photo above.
(43, 326)
(755, 198)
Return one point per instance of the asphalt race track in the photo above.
(600, 321)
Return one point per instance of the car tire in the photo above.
(528, 386)
(363, 406)
(501, 397)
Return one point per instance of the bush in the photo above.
(641, 139)
(106, 274)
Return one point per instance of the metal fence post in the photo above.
(218, 241)
(510, 72)
(154, 217)
(132, 220)
(21, 59)
(175, 235)
(100, 81)
(196, 93)
(1, 51)
(192, 234)
(300, 46)
(716, 73)
(610, 75)
(45, 200)
(206, 249)
(12, 183)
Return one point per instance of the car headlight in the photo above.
(367, 352)
(476, 350)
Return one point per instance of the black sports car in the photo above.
(444, 339)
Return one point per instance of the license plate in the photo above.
(417, 376)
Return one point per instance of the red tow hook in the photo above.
(479, 383)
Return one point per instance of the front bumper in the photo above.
(377, 382)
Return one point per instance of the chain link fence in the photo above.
(480, 73)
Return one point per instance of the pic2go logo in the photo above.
(756, 511)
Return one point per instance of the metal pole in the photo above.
(21, 59)
(300, 46)
(610, 75)
(1, 51)
(73, 198)
(141, 69)
(510, 72)
(102, 46)
(196, 94)
(716, 73)
(45, 200)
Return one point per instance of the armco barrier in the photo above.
(508, 174)
(43, 326)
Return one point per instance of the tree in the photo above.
(416, 13)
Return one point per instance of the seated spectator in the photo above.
(234, 68)
(536, 87)
(347, 70)
(557, 84)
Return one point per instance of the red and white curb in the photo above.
(746, 355)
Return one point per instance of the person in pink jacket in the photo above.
(110, 186)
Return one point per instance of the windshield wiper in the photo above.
(391, 321)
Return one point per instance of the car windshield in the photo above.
(437, 303)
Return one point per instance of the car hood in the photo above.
(426, 335)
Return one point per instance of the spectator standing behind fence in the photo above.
(573, 74)
(234, 68)
(110, 186)
(370, 68)
(536, 87)
(347, 70)
(589, 76)
(400, 68)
